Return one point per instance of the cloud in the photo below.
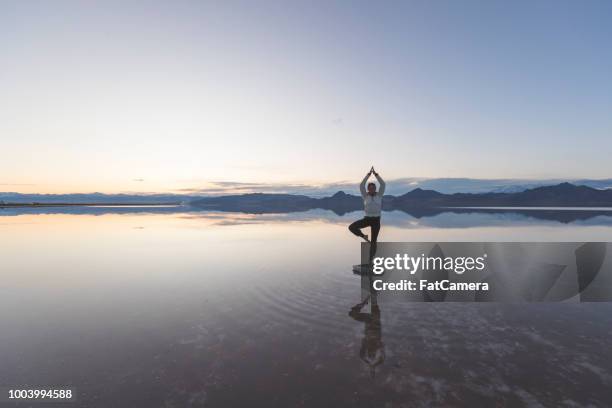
(396, 186)
(235, 187)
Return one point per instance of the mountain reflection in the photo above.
(405, 218)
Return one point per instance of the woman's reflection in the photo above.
(372, 348)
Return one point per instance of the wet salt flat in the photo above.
(191, 309)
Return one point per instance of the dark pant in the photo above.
(374, 224)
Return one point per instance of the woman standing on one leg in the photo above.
(372, 202)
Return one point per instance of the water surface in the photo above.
(181, 309)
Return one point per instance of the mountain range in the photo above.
(560, 195)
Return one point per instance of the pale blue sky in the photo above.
(158, 96)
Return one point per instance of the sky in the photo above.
(146, 96)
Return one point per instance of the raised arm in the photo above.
(362, 186)
(381, 190)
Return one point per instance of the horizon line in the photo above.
(339, 188)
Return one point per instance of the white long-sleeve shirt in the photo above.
(372, 204)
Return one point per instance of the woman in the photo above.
(372, 203)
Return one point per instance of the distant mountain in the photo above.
(260, 203)
(257, 203)
(564, 194)
(560, 195)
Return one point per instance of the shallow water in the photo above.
(218, 309)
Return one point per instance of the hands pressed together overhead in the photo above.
(362, 185)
